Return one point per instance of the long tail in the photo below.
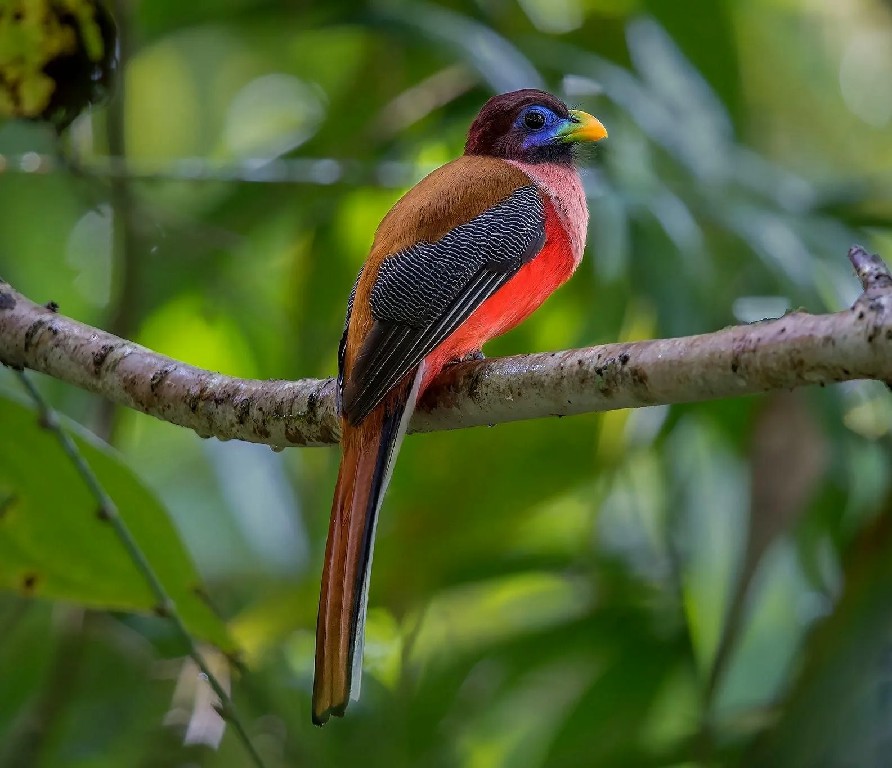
(369, 451)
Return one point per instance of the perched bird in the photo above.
(462, 257)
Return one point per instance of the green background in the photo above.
(689, 586)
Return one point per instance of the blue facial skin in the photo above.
(538, 135)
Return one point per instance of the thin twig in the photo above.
(871, 269)
(108, 512)
(313, 171)
(127, 267)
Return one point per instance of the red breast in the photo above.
(566, 220)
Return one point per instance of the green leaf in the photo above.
(54, 545)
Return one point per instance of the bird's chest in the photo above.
(562, 186)
(566, 221)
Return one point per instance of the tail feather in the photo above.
(369, 450)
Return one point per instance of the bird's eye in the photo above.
(534, 119)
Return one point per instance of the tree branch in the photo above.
(796, 350)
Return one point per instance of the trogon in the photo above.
(462, 257)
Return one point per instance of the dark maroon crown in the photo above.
(494, 131)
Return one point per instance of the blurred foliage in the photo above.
(56, 57)
(698, 585)
(50, 521)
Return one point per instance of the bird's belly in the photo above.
(512, 303)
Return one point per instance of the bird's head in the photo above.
(531, 126)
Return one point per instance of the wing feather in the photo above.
(424, 293)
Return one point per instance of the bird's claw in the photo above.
(469, 357)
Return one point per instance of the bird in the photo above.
(464, 256)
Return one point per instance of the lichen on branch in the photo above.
(796, 350)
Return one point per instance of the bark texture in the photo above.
(796, 350)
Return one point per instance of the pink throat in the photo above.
(561, 183)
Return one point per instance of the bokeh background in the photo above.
(698, 585)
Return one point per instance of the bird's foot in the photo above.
(469, 357)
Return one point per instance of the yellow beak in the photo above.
(582, 127)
